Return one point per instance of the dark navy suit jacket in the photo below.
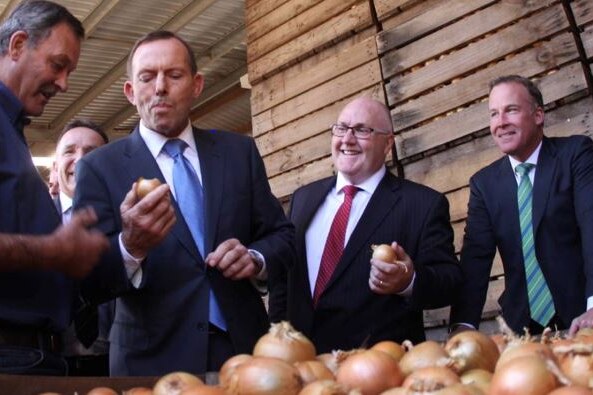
(563, 232)
(349, 314)
(163, 325)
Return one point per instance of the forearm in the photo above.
(25, 252)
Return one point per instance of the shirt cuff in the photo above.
(408, 291)
(132, 264)
(259, 260)
(590, 303)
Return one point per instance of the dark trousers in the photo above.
(31, 361)
(88, 365)
(554, 324)
(220, 348)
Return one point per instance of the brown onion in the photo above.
(576, 361)
(370, 371)
(230, 365)
(324, 387)
(174, 383)
(430, 378)
(525, 375)
(384, 252)
(472, 350)
(459, 389)
(427, 353)
(515, 350)
(572, 390)
(102, 391)
(500, 340)
(264, 376)
(138, 391)
(313, 370)
(203, 390)
(145, 186)
(391, 348)
(284, 342)
(478, 377)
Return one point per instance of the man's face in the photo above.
(163, 86)
(515, 122)
(73, 145)
(41, 72)
(358, 159)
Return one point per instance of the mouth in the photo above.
(161, 105)
(48, 91)
(506, 133)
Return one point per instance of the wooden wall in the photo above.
(430, 61)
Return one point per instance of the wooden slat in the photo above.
(347, 84)
(286, 183)
(480, 53)
(256, 9)
(355, 19)
(277, 17)
(437, 16)
(295, 26)
(549, 55)
(311, 72)
(583, 11)
(565, 82)
(587, 37)
(310, 125)
(384, 8)
(458, 203)
(298, 154)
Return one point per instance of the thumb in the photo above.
(84, 217)
(129, 200)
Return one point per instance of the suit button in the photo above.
(202, 327)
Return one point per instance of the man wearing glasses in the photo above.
(336, 294)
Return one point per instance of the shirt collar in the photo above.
(65, 202)
(155, 141)
(532, 158)
(369, 185)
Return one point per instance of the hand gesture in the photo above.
(389, 277)
(233, 259)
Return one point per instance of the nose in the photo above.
(349, 136)
(62, 81)
(160, 84)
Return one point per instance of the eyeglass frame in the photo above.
(356, 130)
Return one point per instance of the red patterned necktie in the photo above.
(334, 245)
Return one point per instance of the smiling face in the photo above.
(163, 86)
(358, 159)
(516, 122)
(39, 73)
(73, 145)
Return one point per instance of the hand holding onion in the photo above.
(391, 269)
(145, 186)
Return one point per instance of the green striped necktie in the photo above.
(541, 304)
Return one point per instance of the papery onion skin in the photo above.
(472, 350)
(430, 377)
(571, 390)
(264, 376)
(370, 371)
(286, 343)
(523, 349)
(324, 387)
(478, 377)
(230, 365)
(424, 354)
(313, 370)
(384, 252)
(203, 390)
(144, 186)
(459, 389)
(138, 391)
(576, 362)
(174, 383)
(525, 375)
(102, 391)
(391, 348)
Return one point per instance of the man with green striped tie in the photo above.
(535, 205)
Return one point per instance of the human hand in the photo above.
(147, 221)
(73, 249)
(585, 320)
(387, 278)
(233, 259)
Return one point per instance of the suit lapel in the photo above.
(544, 173)
(505, 199)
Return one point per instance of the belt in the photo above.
(31, 338)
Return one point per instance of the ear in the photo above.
(198, 84)
(539, 116)
(17, 44)
(129, 92)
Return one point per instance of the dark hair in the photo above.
(162, 35)
(533, 90)
(84, 123)
(37, 18)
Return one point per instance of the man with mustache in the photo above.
(534, 205)
(39, 48)
(191, 304)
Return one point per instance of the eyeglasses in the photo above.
(360, 132)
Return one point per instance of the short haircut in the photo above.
(533, 90)
(162, 35)
(37, 18)
(84, 123)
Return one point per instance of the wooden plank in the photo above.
(310, 73)
(384, 8)
(583, 11)
(458, 203)
(296, 25)
(471, 57)
(565, 82)
(256, 9)
(436, 17)
(277, 17)
(310, 125)
(409, 11)
(298, 154)
(286, 183)
(344, 85)
(355, 19)
(540, 59)
(587, 37)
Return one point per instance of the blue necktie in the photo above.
(190, 198)
(541, 304)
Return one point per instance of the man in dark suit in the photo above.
(165, 314)
(561, 178)
(366, 300)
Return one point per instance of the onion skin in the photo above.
(384, 252)
(422, 355)
(576, 362)
(138, 391)
(145, 186)
(174, 383)
(264, 376)
(526, 375)
(286, 343)
(480, 378)
(571, 390)
(391, 348)
(369, 371)
(313, 370)
(430, 378)
(203, 390)
(523, 349)
(230, 365)
(102, 391)
(472, 350)
(324, 387)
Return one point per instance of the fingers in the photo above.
(232, 259)
(84, 217)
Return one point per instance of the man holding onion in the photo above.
(367, 297)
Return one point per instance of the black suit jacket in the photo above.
(348, 314)
(163, 325)
(563, 232)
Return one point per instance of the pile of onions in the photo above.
(576, 362)
(175, 383)
(284, 342)
(230, 365)
(324, 387)
(525, 375)
(203, 390)
(478, 377)
(430, 379)
(472, 350)
(313, 370)
(523, 348)
(427, 353)
(391, 348)
(571, 390)
(263, 376)
(369, 371)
